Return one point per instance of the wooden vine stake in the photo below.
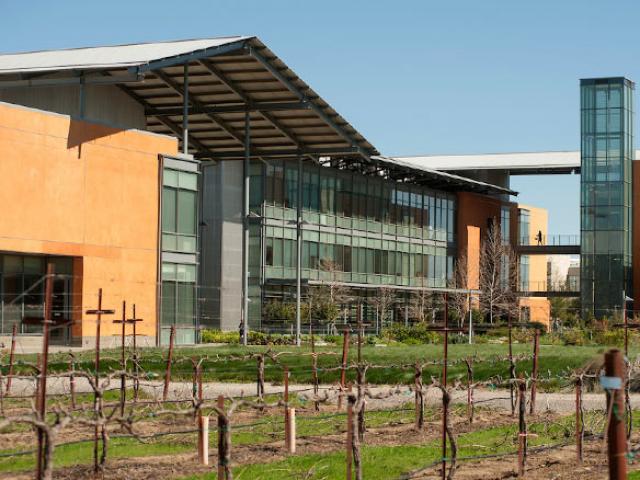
(522, 427)
(419, 396)
(579, 420)
(224, 443)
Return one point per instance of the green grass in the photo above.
(267, 429)
(392, 461)
(554, 359)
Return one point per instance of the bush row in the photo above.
(419, 334)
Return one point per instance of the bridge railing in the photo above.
(551, 240)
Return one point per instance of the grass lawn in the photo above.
(554, 359)
(392, 461)
(266, 429)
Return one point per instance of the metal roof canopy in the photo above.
(517, 163)
(226, 79)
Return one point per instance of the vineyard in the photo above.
(317, 413)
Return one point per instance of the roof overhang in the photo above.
(228, 80)
(527, 163)
(400, 170)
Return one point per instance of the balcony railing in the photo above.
(551, 240)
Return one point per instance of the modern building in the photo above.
(202, 181)
(606, 161)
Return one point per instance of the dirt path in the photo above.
(560, 402)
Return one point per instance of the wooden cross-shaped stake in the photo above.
(133, 321)
(445, 404)
(98, 312)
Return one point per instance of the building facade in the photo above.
(606, 183)
(204, 182)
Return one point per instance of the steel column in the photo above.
(245, 229)
(185, 110)
(299, 253)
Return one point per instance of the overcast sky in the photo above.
(413, 77)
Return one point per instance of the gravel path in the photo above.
(390, 396)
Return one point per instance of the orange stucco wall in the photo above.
(475, 213)
(88, 191)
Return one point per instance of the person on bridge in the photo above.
(539, 237)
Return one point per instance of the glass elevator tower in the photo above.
(607, 151)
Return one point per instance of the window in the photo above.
(505, 219)
(179, 211)
(178, 294)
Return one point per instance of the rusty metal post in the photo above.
(360, 378)
(616, 435)
(512, 371)
(579, 420)
(522, 427)
(445, 406)
(167, 373)
(42, 388)
(534, 371)
(12, 352)
(343, 372)
(350, 438)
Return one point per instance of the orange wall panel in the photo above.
(88, 191)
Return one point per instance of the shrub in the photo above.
(413, 335)
(574, 336)
(217, 336)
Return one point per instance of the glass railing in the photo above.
(550, 240)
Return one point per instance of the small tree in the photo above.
(329, 299)
(459, 302)
(498, 275)
(422, 305)
(382, 301)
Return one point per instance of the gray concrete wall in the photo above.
(221, 257)
(103, 103)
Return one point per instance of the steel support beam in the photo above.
(259, 107)
(197, 104)
(185, 109)
(71, 81)
(203, 150)
(245, 97)
(192, 56)
(302, 97)
(245, 230)
(299, 254)
(282, 153)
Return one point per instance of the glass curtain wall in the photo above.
(179, 244)
(357, 229)
(607, 151)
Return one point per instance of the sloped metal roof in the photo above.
(105, 57)
(518, 163)
(416, 173)
(227, 77)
